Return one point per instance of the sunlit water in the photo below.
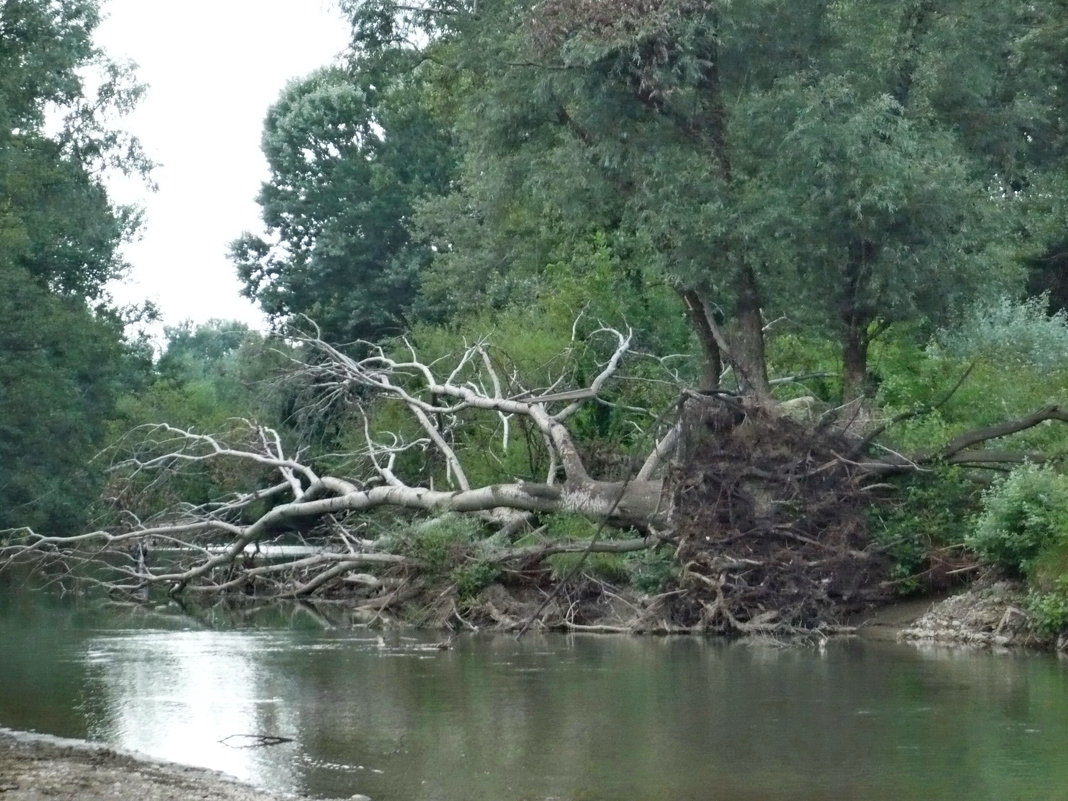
(550, 717)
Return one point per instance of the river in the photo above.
(569, 718)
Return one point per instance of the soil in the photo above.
(41, 768)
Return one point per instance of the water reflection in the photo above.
(602, 718)
(179, 695)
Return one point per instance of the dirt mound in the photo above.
(769, 516)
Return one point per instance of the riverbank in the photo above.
(36, 767)
(988, 614)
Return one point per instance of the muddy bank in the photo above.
(39, 768)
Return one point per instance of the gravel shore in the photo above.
(41, 768)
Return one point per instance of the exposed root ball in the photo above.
(770, 521)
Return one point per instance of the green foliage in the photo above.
(1022, 515)
(208, 379)
(654, 570)
(791, 352)
(568, 526)
(1050, 609)
(1010, 334)
(441, 543)
(208, 374)
(1047, 600)
(471, 578)
(63, 358)
(825, 171)
(62, 368)
(350, 150)
(1008, 365)
(648, 570)
(925, 513)
(530, 348)
(610, 567)
(452, 548)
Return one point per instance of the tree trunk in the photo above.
(711, 353)
(854, 363)
(747, 339)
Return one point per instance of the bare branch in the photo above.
(970, 438)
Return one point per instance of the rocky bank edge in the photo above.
(988, 614)
(35, 767)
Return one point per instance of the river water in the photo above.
(570, 718)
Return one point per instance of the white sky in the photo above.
(213, 68)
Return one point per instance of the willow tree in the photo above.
(818, 160)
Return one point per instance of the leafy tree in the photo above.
(207, 379)
(62, 353)
(62, 368)
(206, 374)
(821, 160)
(350, 149)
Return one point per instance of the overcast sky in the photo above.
(213, 68)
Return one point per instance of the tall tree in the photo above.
(350, 150)
(760, 153)
(62, 353)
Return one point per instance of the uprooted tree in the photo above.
(761, 507)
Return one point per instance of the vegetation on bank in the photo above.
(855, 211)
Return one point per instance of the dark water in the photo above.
(551, 717)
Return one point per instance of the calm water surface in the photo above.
(550, 717)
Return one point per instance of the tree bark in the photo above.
(747, 355)
(711, 353)
(854, 363)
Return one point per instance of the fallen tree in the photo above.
(762, 511)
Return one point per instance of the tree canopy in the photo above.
(350, 150)
(63, 358)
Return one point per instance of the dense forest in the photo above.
(652, 315)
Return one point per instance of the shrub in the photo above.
(471, 578)
(1009, 332)
(927, 513)
(1050, 609)
(653, 571)
(1022, 515)
(610, 567)
(441, 543)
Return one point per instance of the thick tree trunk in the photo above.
(854, 363)
(702, 322)
(747, 338)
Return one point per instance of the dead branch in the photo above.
(224, 545)
(958, 444)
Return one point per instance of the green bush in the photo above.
(928, 512)
(471, 578)
(442, 543)
(1010, 333)
(610, 567)
(654, 570)
(1022, 515)
(1050, 609)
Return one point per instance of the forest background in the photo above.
(857, 208)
